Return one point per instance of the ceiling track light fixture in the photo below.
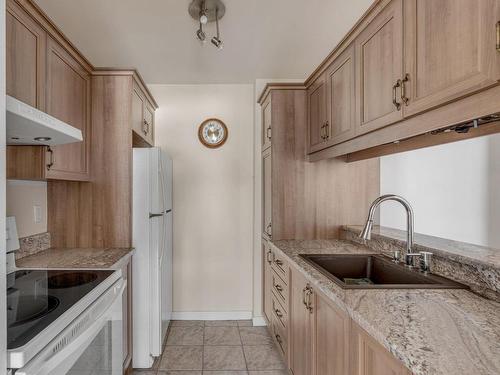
(208, 11)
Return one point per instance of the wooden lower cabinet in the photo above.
(301, 327)
(368, 357)
(331, 338)
(323, 340)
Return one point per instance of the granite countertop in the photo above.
(82, 258)
(432, 331)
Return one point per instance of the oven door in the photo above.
(91, 345)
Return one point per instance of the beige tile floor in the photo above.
(217, 348)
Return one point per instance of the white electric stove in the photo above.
(63, 321)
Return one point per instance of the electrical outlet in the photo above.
(37, 214)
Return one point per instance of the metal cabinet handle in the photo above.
(278, 338)
(308, 294)
(278, 287)
(279, 314)
(151, 215)
(498, 36)
(327, 130)
(269, 132)
(278, 262)
(304, 296)
(394, 94)
(269, 253)
(404, 98)
(51, 159)
(269, 229)
(145, 128)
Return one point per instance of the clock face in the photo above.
(212, 133)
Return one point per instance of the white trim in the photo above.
(211, 315)
(259, 321)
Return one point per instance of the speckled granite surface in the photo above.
(476, 266)
(433, 332)
(76, 258)
(33, 244)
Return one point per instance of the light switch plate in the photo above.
(37, 214)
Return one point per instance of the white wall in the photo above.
(454, 190)
(212, 198)
(21, 197)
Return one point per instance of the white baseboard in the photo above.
(259, 321)
(211, 315)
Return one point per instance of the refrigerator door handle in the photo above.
(167, 211)
(155, 215)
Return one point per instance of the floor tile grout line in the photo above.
(242, 349)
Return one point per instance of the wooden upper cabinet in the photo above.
(266, 123)
(449, 50)
(142, 116)
(301, 325)
(317, 114)
(368, 357)
(68, 99)
(379, 57)
(340, 98)
(25, 57)
(331, 338)
(267, 226)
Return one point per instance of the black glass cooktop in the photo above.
(36, 298)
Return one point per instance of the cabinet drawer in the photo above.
(279, 335)
(280, 288)
(280, 313)
(281, 267)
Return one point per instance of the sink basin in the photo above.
(374, 271)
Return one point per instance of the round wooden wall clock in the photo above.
(212, 133)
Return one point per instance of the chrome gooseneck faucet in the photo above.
(366, 233)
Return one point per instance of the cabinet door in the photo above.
(331, 338)
(267, 226)
(137, 112)
(341, 100)
(25, 57)
(68, 99)
(301, 326)
(267, 257)
(379, 57)
(149, 123)
(449, 50)
(368, 357)
(317, 114)
(266, 123)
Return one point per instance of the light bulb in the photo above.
(203, 18)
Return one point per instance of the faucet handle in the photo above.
(425, 261)
(409, 259)
(396, 256)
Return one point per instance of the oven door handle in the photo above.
(59, 363)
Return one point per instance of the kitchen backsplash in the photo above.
(33, 244)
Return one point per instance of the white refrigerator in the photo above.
(152, 260)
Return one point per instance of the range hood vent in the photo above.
(29, 126)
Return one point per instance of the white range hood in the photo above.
(29, 126)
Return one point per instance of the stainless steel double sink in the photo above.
(374, 271)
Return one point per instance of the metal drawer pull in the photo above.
(278, 287)
(304, 296)
(279, 314)
(278, 262)
(278, 338)
(51, 159)
(498, 36)
(269, 132)
(394, 95)
(404, 98)
(327, 130)
(308, 302)
(269, 260)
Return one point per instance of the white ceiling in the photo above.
(262, 38)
